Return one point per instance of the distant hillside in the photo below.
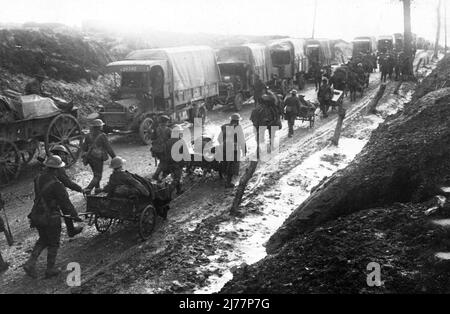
(62, 56)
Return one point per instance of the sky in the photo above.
(335, 18)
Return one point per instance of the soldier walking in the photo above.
(160, 139)
(96, 149)
(51, 198)
(232, 137)
(324, 96)
(292, 109)
(61, 175)
(258, 90)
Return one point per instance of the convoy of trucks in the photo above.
(185, 82)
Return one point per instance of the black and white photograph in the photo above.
(224, 152)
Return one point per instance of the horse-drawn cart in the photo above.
(20, 138)
(105, 210)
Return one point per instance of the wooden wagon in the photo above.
(20, 139)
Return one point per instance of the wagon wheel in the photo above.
(146, 130)
(238, 101)
(147, 222)
(65, 130)
(9, 161)
(102, 224)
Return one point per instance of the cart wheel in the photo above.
(9, 161)
(102, 224)
(146, 130)
(147, 222)
(238, 101)
(65, 130)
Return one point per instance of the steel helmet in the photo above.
(59, 148)
(97, 123)
(293, 91)
(54, 162)
(236, 117)
(116, 162)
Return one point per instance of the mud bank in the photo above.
(326, 244)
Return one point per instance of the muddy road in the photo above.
(196, 248)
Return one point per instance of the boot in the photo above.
(73, 232)
(71, 229)
(30, 266)
(52, 271)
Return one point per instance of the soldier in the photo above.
(324, 96)
(96, 148)
(61, 175)
(291, 108)
(258, 90)
(234, 140)
(35, 85)
(121, 178)
(3, 265)
(51, 197)
(172, 166)
(159, 143)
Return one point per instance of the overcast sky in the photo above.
(335, 18)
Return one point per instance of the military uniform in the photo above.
(258, 91)
(97, 148)
(324, 97)
(292, 109)
(122, 178)
(159, 145)
(238, 144)
(51, 198)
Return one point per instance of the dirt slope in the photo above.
(333, 258)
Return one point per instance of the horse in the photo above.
(267, 114)
(354, 85)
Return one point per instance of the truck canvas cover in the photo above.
(261, 61)
(191, 67)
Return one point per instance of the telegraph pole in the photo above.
(314, 20)
(445, 25)
(438, 31)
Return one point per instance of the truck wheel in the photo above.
(238, 101)
(146, 130)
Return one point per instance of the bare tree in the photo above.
(407, 45)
